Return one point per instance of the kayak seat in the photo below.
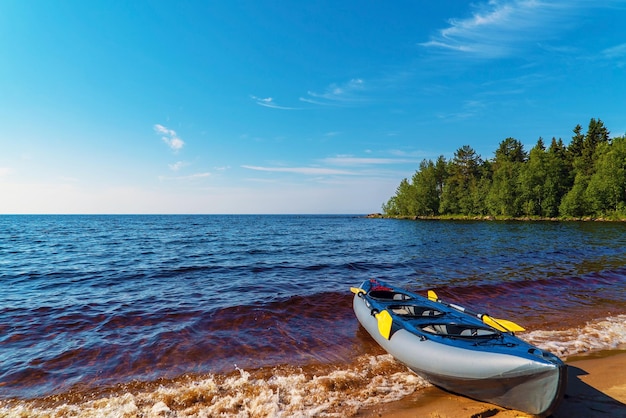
(388, 295)
(459, 330)
(415, 311)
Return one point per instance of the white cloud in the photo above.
(500, 27)
(189, 177)
(338, 94)
(269, 102)
(4, 171)
(350, 160)
(410, 154)
(178, 165)
(618, 51)
(170, 137)
(200, 175)
(301, 170)
(348, 93)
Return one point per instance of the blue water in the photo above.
(94, 301)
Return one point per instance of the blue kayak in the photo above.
(470, 354)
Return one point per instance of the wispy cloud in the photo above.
(170, 137)
(340, 165)
(270, 102)
(4, 171)
(618, 51)
(198, 176)
(347, 160)
(407, 154)
(616, 54)
(189, 177)
(178, 165)
(338, 94)
(469, 109)
(301, 170)
(500, 28)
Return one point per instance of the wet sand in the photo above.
(596, 388)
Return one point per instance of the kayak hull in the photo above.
(498, 368)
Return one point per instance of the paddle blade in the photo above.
(384, 323)
(432, 296)
(357, 290)
(502, 324)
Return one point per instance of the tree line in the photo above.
(586, 178)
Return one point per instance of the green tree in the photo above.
(390, 207)
(398, 204)
(586, 178)
(458, 195)
(597, 134)
(504, 196)
(575, 148)
(532, 180)
(558, 178)
(511, 150)
(578, 202)
(482, 190)
(426, 189)
(441, 174)
(574, 203)
(406, 198)
(606, 191)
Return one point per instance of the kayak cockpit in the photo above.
(415, 311)
(388, 295)
(459, 330)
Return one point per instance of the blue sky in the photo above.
(284, 106)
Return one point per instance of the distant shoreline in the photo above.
(492, 218)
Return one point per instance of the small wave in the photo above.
(321, 391)
(603, 334)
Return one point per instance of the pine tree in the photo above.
(532, 181)
(586, 178)
(606, 191)
(558, 178)
(504, 196)
(462, 181)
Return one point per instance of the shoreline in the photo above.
(491, 218)
(596, 387)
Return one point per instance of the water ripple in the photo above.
(102, 300)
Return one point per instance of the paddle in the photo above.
(499, 324)
(385, 321)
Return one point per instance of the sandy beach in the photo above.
(596, 388)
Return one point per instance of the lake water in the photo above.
(252, 315)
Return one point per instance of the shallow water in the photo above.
(251, 315)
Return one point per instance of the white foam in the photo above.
(293, 392)
(603, 334)
(288, 393)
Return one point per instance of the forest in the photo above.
(585, 179)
